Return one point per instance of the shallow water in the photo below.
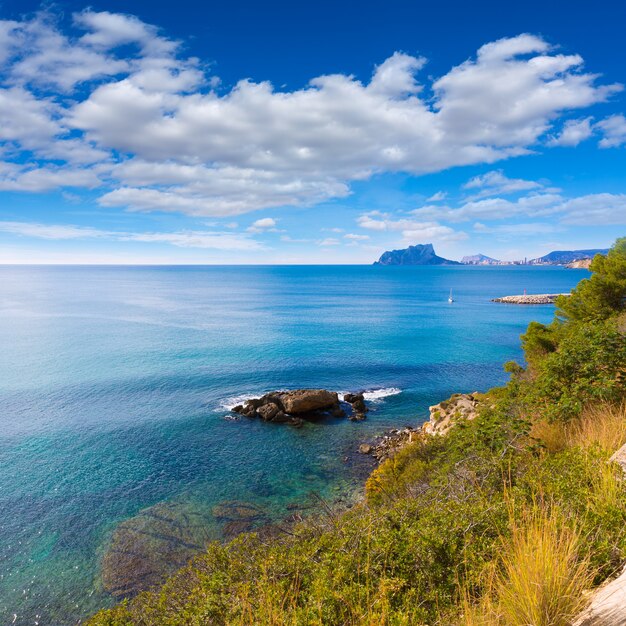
(115, 383)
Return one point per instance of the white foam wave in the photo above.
(376, 395)
(371, 395)
(227, 404)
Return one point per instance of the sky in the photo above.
(326, 132)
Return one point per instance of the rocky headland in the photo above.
(580, 264)
(294, 407)
(443, 416)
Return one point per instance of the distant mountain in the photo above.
(421, 254)
(479, 259)
(561, 257)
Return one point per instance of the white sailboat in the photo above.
(450, 298)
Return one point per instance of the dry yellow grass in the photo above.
(540, 579)
(600, 425)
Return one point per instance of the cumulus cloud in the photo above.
(536, 205)
(409, 228)
(614, 131)
(597, 209)
(496, 183)
(116, 92)
(573, 132)
(265, 224)
(14, 177)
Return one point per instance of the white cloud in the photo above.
(517, 230)
(170, 142)
(45, 231)
(40, 179)
(263, 224)
(494, 208)
(197, 239)
(329, 241)
(592, 209)
(184, 239)
(496, 183)
(614, 130)
(428, 232)
(410, 229)
(573, 132)
(438, 197)
(354, 237)
(597, 209)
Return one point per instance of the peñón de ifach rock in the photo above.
(421, 254)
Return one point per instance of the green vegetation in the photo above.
(505, 520)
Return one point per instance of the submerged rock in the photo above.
(145, 549)
(236, 510)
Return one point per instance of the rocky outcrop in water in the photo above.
(357, 402)
(293, 407)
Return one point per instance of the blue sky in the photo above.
(308, 133)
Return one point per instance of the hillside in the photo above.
(507, 518)
(479, 259)
(421, 254)
(561, 257)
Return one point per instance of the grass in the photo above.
(602, 425)
(541, 577)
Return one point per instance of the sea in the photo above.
(116, 383)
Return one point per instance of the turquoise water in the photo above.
(114, 383)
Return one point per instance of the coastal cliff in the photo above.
(514, 509)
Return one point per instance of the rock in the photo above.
(235, 510)
(357, 417)
(308, 400)
(460, 406)
(236, 527)
(338, 412)
(281, 417)
(393, 440)
(290, 407)
(145, 549)
(249, 410)
(269, 411)
(357, 402)
(365, 448)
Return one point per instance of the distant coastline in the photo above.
(424, 254)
